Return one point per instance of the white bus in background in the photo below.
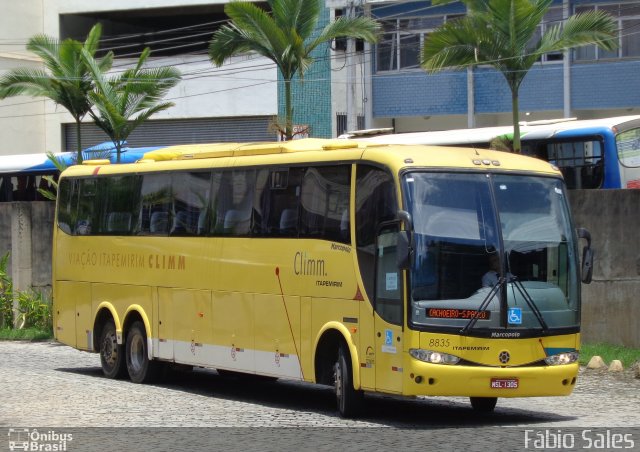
(594, 153)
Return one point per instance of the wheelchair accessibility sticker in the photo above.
(515, 316)
(388, 346)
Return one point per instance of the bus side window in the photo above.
(279, 201)
(324, 200)
(157, 200)
(388, 277)
(67, 204)
(86, 206)
(120, 201)
(190, 201)
(375, 203)
(234, 203)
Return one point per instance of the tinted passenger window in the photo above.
(325, 203)
(234, 203)
(121, 204)
(157, 197)
(278, 198)
(190, 202)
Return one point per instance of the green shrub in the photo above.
(6, 294)
(34, 308)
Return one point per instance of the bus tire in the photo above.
(348, 399)
(141, 369)
(112, 356)
(483, 404)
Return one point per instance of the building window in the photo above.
(341, 123)
(402, 40)
(627, 17)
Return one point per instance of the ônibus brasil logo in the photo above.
(34, 440)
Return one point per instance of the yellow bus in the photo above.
(406, 270)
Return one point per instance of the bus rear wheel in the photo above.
(111, 354)
(141, 369)
(483, 404)
(349, 400)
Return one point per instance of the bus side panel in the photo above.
(327, 310)
(233, 331)
(630, 176)
(84, 315)
(367, 346)
(191, 320)
(65, 313)
(307, 337)
(277, 335)
(163, 347)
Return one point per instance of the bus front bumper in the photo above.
(476, 381)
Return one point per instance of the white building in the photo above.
(237, 101)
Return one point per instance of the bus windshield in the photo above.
(497, 248)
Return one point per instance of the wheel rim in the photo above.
(110, 349)
(338, 380)
(136, 353)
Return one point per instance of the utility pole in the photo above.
(352, 114)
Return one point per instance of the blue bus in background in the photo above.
(21, 175)
(594, 153)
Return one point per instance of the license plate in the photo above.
(504, 383)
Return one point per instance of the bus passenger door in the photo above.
(388, 318)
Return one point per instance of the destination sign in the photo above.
(442, 313)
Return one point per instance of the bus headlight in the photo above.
(562, 358)
(429, 356)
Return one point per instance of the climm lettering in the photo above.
(303, 264)
(167, 262)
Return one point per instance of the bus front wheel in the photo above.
(349, 400)
(141, 369)
(483, 404)
(111, 354)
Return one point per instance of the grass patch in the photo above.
(609, 352)
(26, 334)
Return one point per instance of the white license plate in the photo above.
(504, 383)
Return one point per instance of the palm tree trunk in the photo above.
(118, 150)
(516, 120)
(78, 142)
(288, 127)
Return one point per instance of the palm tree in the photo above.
(501, 33)
(122, 102)
(66, 79)
(285, 36)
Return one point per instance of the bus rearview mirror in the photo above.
(403, 250)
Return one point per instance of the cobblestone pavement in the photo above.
(47, 384)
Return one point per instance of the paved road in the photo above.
(47, 384)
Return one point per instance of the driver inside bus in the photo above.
(490, 278)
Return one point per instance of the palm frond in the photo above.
(47, 48)
(592, 27)
(451, 46)
(256, 27)
(24, 81)
(296, 16)
(358, 28)
(92, 42)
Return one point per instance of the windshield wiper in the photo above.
(492, 293)
(532, 304)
